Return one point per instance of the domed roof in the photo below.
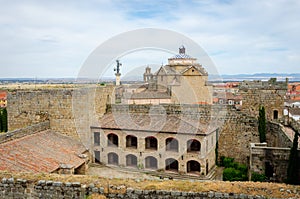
(182, 54)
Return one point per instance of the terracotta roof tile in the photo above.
(40, 152)
(154, 122)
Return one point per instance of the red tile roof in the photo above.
(40, 152)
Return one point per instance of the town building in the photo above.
(155, 142)
(3, 99)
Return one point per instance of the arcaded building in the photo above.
(170, 142)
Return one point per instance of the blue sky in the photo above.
(54, 38)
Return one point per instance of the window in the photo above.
(96, 138)
(131, 141)
(171, 164)
(131, 161)
(193, 166)
(275, 114)
(97, 156)
(151, 143)
(193, 146)
(150, 162)
(112, 140)
(171, 144)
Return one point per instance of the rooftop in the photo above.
(41, 152)
(169, 123)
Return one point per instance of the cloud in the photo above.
(51, 39)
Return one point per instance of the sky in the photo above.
(43, 39)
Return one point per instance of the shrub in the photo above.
(233, 171)
(232, 174)
(256, 177)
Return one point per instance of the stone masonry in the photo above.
(11, 188)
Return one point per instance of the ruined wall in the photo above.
(238, 131)
(69, 110)
(267, 94)
(21, 188)
(276, 136)
(277, 158)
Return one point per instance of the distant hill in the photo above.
(293, 77)
(259, 76)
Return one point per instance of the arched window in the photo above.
(131, 160)
(131, 141)
(193, 146)
(151, 143)
(193, 166)
(171, 144)
(112, 140)
(171, 164)
(150, 162)
(113, 159)
(275, 114)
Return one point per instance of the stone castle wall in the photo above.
(72, 111)
(20, 188)
(18, 133)
(68, 109)
(276, 136)
(271, 99)
(276, 157)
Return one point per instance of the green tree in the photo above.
(1, 129)
(3, 119)
(262, 124)
(293, 167)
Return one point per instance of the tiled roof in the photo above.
(154, 122)
(40, 152)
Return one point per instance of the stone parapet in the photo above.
(11, 188)
(18, 133)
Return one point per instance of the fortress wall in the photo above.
(68, 109)
(73, 111)
(20, 188)
(276, 136)
(238, 130)
(271, 99)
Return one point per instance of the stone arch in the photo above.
(193, 166)
(112, 140)
(151, 143)
(193, 145)
(131, 160)
(171, 164)
(113, 158)
(150, 162)
(131, 141)
(172, 144)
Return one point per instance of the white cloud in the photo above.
(51, 39)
